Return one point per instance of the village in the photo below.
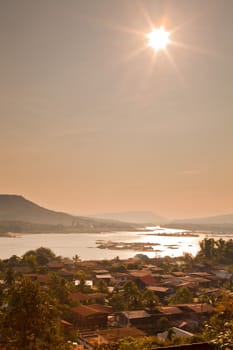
(162, 301)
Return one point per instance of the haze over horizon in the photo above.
(90, 124)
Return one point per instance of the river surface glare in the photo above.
(84, 244)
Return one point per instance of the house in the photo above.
(91, 316)
(142, 278)
(176, 332)
(153, 269)
(120, 278)
(196, 313)
(87, 283)
(137, 318)
(170, 312)
(100, 272)
(42, 279)
(223, 275)
(66, 274)
(178, 274)
(199, 309)
(55, 265)
(160, 291)
(103, 277)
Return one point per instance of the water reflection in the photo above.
(85, 246)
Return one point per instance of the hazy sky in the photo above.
(92, 123)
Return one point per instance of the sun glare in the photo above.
(158, 39)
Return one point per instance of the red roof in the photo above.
(88, 310)
(199, 308)
(158, 289)
(169, 310)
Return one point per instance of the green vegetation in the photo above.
(219, 329)
(30, 319)
(217, 251)
(183, 295)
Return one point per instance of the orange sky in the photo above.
(90, 123)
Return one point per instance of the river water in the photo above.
(84, 244)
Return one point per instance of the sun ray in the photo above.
(196, 49)
(145, 14)
(157, 40)
(175, 67)
(134, 53)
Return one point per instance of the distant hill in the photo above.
(137, 217)
(15, 208)
(218, 223)
(211, 220)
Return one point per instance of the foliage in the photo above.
(41, 256)
(102, 286)
(118, 303)
(163, 324)
(76, 259)
(131, 343)
(222, 338)
(183, 295)
(133, 296)
(118, 268)
(13, 261)
(219, 329)
(188, 260)
(150, 300)
(9, 276)
(31, 261)
(30, 320)
(59, 288)
(218, 251)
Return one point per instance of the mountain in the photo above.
(137, 217)
(17, 209)
(226, 219)
(218, 223)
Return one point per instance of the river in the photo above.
(84, 244)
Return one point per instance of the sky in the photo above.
(93, 120)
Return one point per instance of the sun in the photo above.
(158, 39)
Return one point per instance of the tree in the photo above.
(31, 261)
(163, 324)
(76, 259)
(118, 302)
(183, 295)
(59, 288)
(207, 246)
(219, 251)
(43, 255)
(102, 286)
(31, 320)
(188, 260)
(132, 295)
(13, 261)
(9, 276)
(150, 300)
(219, 329)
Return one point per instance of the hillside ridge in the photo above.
(16, 208)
